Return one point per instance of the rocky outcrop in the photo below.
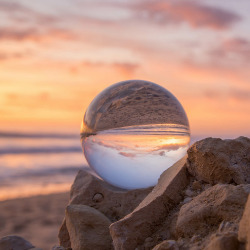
(220, 161)
(63, 235)
(199, 203)
(222, 202)
(223, 242)
(113, 202)
(167, 245)
(13, 242)
(88, 228)
(58, 248)
(244, 227)
(130, 231)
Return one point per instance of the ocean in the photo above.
(38, 163)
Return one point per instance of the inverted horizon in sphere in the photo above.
(133, 131)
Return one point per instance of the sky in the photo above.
(56, 56)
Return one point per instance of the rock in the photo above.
(149, 239)
(58, 248)
(189, 193)
(88, 228)
(148, 245)
(223, 242)
(63, 236)
(97, 197)
(196, 185)
(13, 242)
(206, 211)
(134, 228)
(244, 227)
(113, 202)
(195, 239)
(167, 245)
(186, 200)
(220, 161)
(224, 226)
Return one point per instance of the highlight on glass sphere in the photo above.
(132, 132)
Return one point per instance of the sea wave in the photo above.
(5, 134)
(8, 178)
(40, 150)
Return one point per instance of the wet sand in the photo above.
(37, 218)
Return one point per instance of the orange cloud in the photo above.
(6, 56)
(124, 68)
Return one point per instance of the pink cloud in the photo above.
(35, 35)
(195, 14)
(20, 13)
(235, 47)
(123, 67)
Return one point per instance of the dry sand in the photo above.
(37, 219)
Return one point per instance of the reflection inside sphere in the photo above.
(133, 131)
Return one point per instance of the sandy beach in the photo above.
(37, 218)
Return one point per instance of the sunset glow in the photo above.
(56, 56)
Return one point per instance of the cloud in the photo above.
(9, 34)
(122, 67)
(236, 94)
(20, 13)
(240, 95)
(23, 23)
(12, 7)
(4, 56)
(35, 35)
(126, 68)
(239, 46)
(193, 13)
(212, 94)
(231, 49)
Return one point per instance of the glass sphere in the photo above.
(133, 131)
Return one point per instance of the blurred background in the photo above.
(56, 56)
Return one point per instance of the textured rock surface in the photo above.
(223, 242)
(13, 242)
(167, 245)
(113, 202)
(63, 235)
(88, 228)
(197, 204)
(58, 248)
(222, 202)
(244, 227)
(130, 231)
(220, 161)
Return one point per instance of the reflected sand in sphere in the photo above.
(132, 132)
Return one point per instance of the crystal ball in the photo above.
(132, 132)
